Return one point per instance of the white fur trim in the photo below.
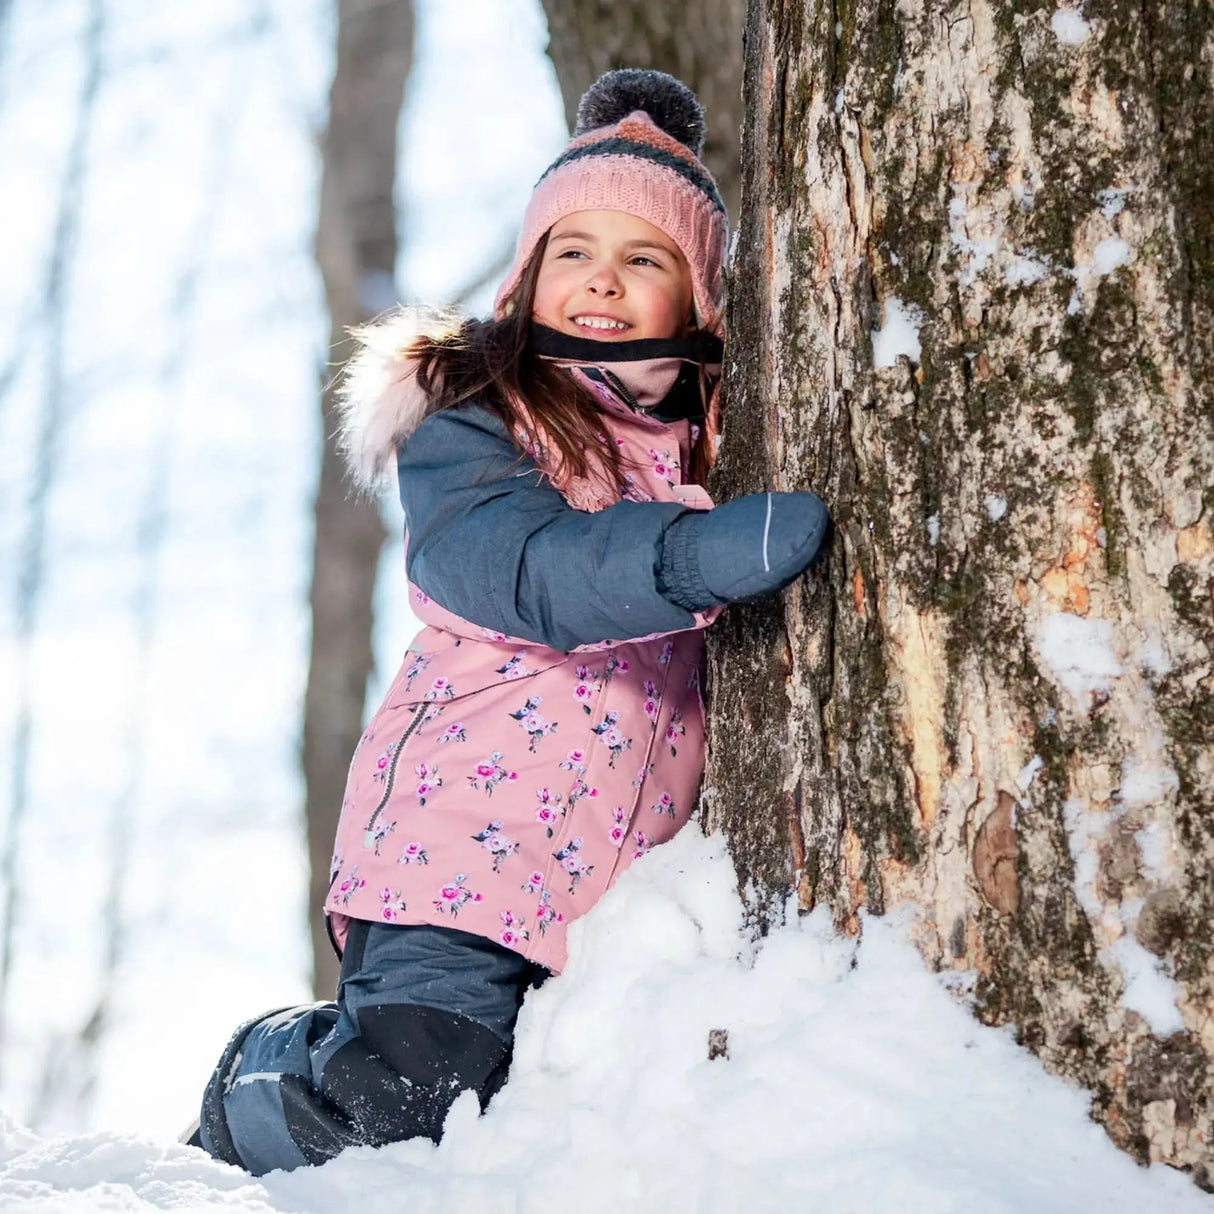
(379, 402)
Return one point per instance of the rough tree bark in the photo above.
(702, 48)
(994, 702)
(356, 248)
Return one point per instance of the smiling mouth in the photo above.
(602, 323)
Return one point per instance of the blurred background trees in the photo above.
(163, 333)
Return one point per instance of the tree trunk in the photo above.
(589, 37)
(356, 250)
(993, 702)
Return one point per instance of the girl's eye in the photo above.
(570, 253)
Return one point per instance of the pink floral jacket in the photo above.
(502, 786)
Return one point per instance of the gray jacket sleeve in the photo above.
(492, 540)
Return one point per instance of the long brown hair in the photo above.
(489, 361)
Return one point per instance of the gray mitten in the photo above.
(740, 549)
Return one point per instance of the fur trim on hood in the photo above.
(379, 401)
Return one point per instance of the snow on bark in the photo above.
(998, 694)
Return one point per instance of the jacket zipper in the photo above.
(618, 384)
(419, 714)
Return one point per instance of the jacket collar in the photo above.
(381, 403)
(652, 376)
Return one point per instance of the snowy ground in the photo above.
(853, 1083)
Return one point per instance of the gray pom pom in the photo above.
(669, 102)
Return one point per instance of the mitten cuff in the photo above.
(679, 580)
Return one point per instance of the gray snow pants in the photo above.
(422, 1014)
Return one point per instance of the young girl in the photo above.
(545, 729)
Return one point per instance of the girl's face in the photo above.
(612, 276)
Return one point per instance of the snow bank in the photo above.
(853, 1083)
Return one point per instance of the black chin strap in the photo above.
(551, 343)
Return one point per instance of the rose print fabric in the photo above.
(502, 786)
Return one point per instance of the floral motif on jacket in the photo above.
(558, 770)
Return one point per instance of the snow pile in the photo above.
(1153, 654)
(1149, 779)
(853, 1082)
(1027, 774)
(976, 232)
(1080, 655)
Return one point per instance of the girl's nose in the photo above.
(604, 281)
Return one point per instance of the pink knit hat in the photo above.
(636, 148)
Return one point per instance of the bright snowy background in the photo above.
(161, 337)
